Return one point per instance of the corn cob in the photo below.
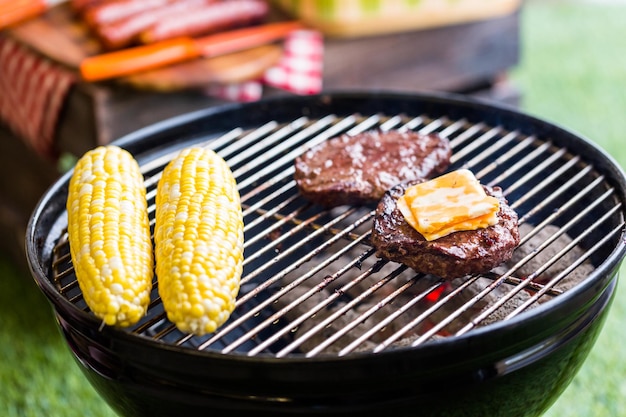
(109, 235)
(198, 241)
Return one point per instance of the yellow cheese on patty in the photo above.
(450, 203)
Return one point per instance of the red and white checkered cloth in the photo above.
(300, 70)
(32, 93)
(242, 92)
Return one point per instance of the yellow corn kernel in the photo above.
(109, 235)
(199, 241)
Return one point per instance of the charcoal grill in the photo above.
(323, 326)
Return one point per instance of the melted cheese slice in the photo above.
(450, 203)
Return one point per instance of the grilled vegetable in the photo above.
(109, 235)
(199, 241)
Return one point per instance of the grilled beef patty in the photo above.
(359, 169)
(451, 256)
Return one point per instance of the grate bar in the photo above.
(476, 144)
(466, 135)
(329, 300)
(307, 295)
(370, 312)
(275, 226)
(346, 307)
(495, 149)
(427, 313)
(452, 129)
(506, 157)
(316, 285)
(539, 171)
(545, 266)
(560, 210)
(319, 130)
(258, 140)
(579, 261)
(390, 318)
(290, 250)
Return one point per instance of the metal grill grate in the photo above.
(312, 283)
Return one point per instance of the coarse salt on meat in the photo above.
(359, 169)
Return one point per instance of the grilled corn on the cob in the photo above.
(198, 240)
(109, 235)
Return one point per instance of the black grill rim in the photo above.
(146, 142)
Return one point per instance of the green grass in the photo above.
(572, 72)
(38, 374)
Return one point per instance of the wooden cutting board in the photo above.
(61, 37)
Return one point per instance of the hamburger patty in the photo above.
(359, 169)
(452, 256)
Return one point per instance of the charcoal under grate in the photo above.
(312, 283)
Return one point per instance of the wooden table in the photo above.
(472, 58)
